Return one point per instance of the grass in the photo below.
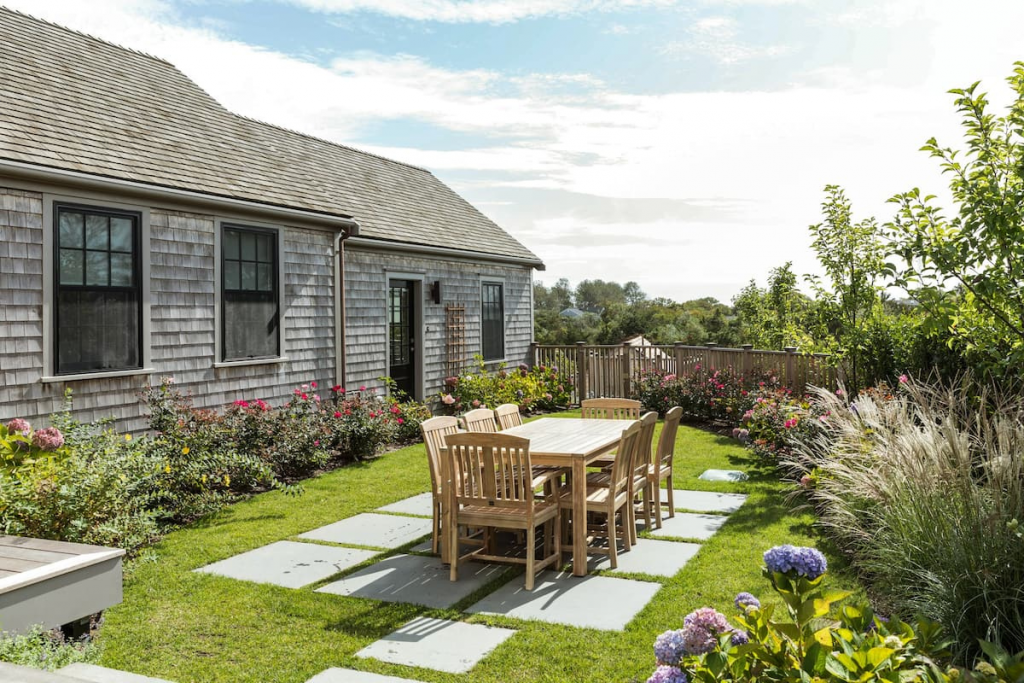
(183, 626)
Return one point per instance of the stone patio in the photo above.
(372, 529)
(657, 558)
(689, 525)
(450, 646)
(416, 580)
(421, 505)
(599, 602)
(288, 563)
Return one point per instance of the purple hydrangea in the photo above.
(701, 629)
(20, 426)
(740, 638)
(745, 601)
(668, 647)
(667, 674)
(806, 562)
(49, 439)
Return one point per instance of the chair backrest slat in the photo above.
(624, 456)
(434, 431)
(507, 415)
(643, 453)
(492, 470)
(480, 420)
(610, 409)
(667, 441)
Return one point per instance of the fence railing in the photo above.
(616, 370)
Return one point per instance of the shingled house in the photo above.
(147, 231)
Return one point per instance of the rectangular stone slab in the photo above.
(658, 558)
(421, 505)
(336, 675)
(707, 501)
(372, 529)
(288, 563)
(690, 525)
(450, 646)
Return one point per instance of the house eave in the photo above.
(374, 244)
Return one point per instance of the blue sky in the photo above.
(683, 145)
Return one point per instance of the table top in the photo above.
(556, 437)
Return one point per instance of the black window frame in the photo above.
(225, 292)
(484, 319)
(135, 287)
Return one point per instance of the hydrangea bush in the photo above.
(813, 644)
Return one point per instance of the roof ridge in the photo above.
(328, 142)
(87, 35)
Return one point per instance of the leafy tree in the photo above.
(968, 269)
(595, 296)
(777, 316)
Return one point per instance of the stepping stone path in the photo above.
(288, 564)
(414, 579)
(451, 646)
(596, 601)
(599, 602)
(101, 674)
(374, 530)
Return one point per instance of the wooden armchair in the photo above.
(661, 468)
(491, 485)
(480, 420)
(610, 498)
(638, 467)
(609, 409)
(507, 415)
(434, 431)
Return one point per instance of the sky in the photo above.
(684, 145)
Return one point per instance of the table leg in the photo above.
(579, 518)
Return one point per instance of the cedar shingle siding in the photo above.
(125, 127)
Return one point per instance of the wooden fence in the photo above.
(616, 370)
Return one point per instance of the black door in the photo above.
(401, 336)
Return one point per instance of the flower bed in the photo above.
(706, 394)
(538, 388)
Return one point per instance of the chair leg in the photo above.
(671, 498)
(613, 543)
(530, 556)
(556, 525)
(656, 490)
(627, 538)
(435, 544)
(452, 550)
(645, 501)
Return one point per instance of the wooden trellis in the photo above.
(455, 315)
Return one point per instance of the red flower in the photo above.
(362, 388)
(395, 410)
(304, 397)
(337, 414)
(401, 421)
(313, 384)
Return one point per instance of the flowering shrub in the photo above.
(706, 394)
(776, 422)
(760, 645)
(538, 388)
(20, 445)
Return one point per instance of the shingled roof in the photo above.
(74, 102)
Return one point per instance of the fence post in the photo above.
(791, 367)
(627, 368)
(709, 347)
(748, 360)
(677, 349)
(533, 353)
(581, 370)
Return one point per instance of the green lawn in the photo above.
(183, 626)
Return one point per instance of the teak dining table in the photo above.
(572, 443)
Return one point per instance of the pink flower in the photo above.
(904, 379)
(790, 423)
(839, 392)
(337, 413)
(362, 387)
(395, 410)
(447, 399)
(19, 425)
(697, 366)
(49, 439)
(806, 481)
(316, 397)
(304, 397)
(400, 421)
(242, 404)
(476, 403)
(316, 442)
(670, 377)
(304, 387)
(313, 384)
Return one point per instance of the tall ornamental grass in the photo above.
(924, 488)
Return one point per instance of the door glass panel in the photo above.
(248, 274)
(71, 266)
(96, 268)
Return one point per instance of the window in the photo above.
(98, 302)
(249, 300)
(492, 321)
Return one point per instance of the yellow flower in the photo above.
(184, 451)
(167, 469)
(203, 478)
(124, 478)
(127, 437)
(227, 480)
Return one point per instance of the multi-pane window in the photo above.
(492, 321)
(98, 296)
(249, 289)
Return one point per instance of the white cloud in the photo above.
(717, 37)
(475, 11)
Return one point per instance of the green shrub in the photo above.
(924, 488)
(44, 649)
(541, 387)
(706, 394)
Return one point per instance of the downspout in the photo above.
(341, 346)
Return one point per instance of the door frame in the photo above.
(418, 326)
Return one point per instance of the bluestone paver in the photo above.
(600, 602)
(371, 529)
(707, 501)
(658, 558)
(421, 505)
(288, 563)
(101, 674)
(690, 525)
(336, 675)
(451, 646)
(414, 579)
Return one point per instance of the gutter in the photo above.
(99, 183)
(370, 243)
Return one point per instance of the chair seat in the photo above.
(604, 479)
(596, 496)
(506, 517)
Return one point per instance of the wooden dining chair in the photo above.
(480, 420)
(508, 416)
(638, 469)
(609, 409)
(609, 499)
(491, 485)
(661, 468)
(434, 431)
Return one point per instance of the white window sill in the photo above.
(98, 375)
(254, 361)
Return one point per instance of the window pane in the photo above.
(492, 322)
(96, 231)
(71, 266)
(96, 267)
(230, 244)
(263, 248)
(103, 333)
(248, 274)
(248, 246)
(250, 327)
(121, 234)
(120, 269)
(265, 277)
(231, 275)
(72, 226)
